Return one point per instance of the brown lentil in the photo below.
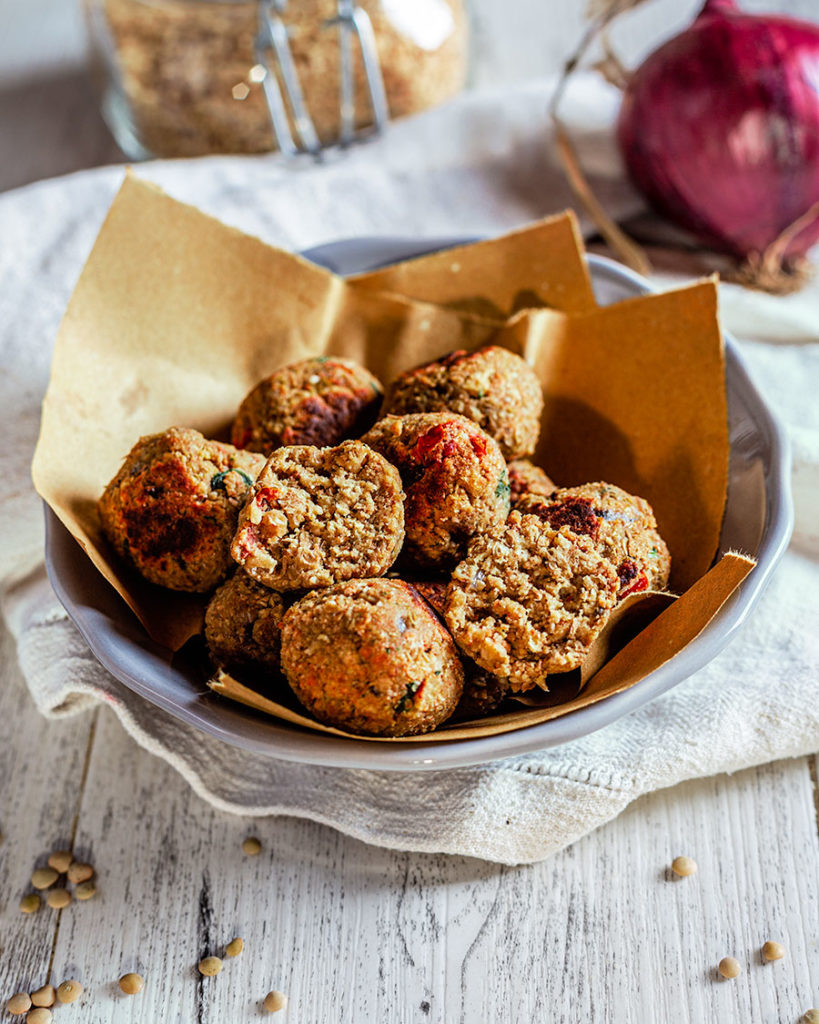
(19, 1003)
(57, 899)
(811, 1017)
(85, 890)
(61, 860)
(684, 866)
(234, 947)
(728, 967)
(40, 1015)
(80, 872)
(43, 878)
(69, 992)
(210, 966)
(274, 1001)
(251, 846)
(773, 950)
(131, 983)
(30, 903)
(44, 996)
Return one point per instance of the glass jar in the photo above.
(186, 77)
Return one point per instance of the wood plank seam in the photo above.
(74, 825)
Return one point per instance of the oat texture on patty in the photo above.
(492, 386)
(243, 625)
(172, 509)
(528, 480)
(455, 480)
(318, 516)
(530, 600)
(370, 656)
(319, 401)
(621, 525)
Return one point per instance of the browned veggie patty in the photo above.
(526, 480)
(317, 516)
(492, 386)
(529, 600)
(172, 508)
(455, 480)
(483, 693)
(621, 525)
(317, 401)
(370, 656)
(243, 624)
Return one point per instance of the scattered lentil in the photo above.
(30, 903)
(44, 996)
(131, 983)
(58, 898)
(85, 890)
(78, 872)
(69, 992)
(773, 950)
(274, 1001)
(251, 846)
(684, 866)
(43, 878)
(19, 1003)
(210, 966)
(234, 947)
(61, 860)
(728, 967)
(40, 1015)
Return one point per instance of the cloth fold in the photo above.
(481, 165)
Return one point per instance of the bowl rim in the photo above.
(265, 735)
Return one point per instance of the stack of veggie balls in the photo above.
(398, 560)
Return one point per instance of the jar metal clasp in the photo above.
(283, 91)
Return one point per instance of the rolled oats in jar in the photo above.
(184, 78)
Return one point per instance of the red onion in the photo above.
(720, 130)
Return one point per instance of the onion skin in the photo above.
(719, 129)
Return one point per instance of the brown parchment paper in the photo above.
(538, 265)
(176, 316)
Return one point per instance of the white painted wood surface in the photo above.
(599, 933)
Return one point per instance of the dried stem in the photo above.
(771, 271)
(610, 66)
(601, 14)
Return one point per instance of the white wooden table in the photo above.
(599, 933)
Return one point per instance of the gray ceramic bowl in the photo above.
(758, 520)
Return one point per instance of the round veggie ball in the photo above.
(455, 479)
(243, 624)
(483, 693)
(491, 386)
(621, 525)
(370, 656)
(317, 401)
(317, 516)
(526, 480)
(530, 600)
(172, 509)
(434, 593)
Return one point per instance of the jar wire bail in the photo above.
(283, 91)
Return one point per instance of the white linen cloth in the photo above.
(481, 165)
